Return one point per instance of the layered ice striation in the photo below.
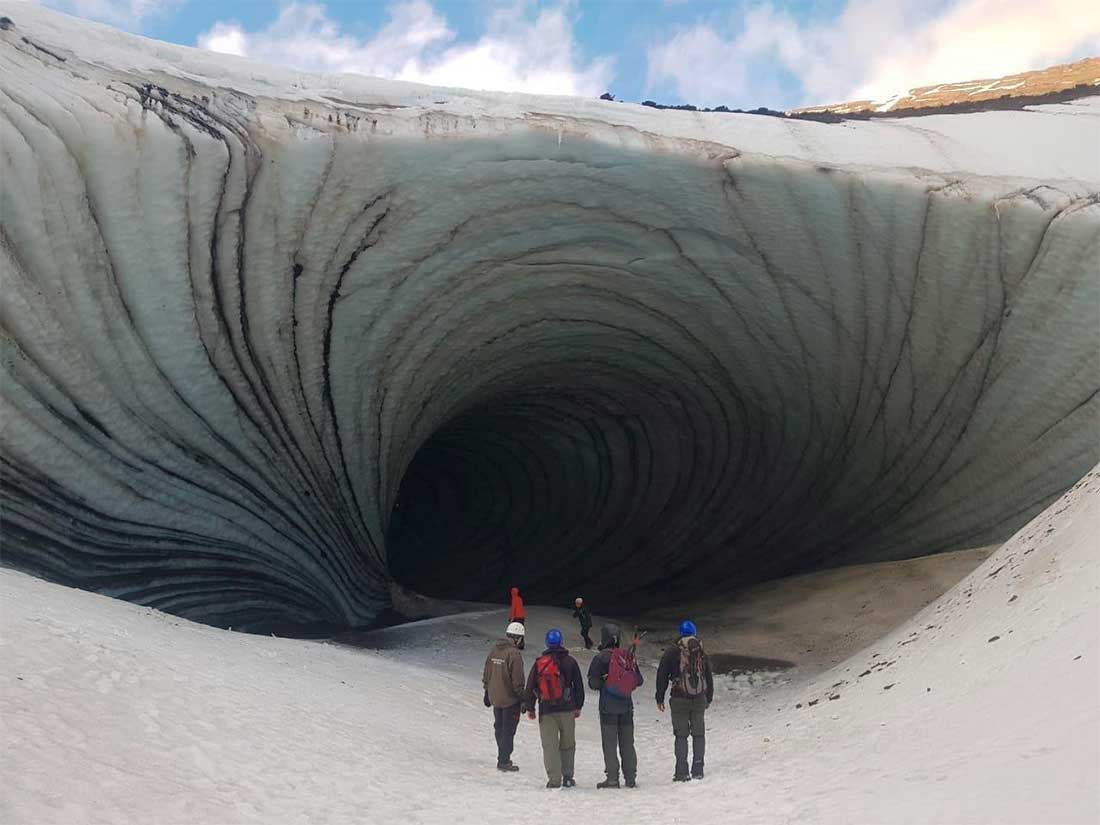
(272, 341)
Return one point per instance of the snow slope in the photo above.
(983, 708)
(816, 620)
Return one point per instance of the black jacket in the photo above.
(669, 671)
(597, 674)
(584, 616)
(572, 685)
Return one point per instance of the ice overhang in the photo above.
(271, 340)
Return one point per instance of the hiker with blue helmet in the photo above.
(555, 683)
(686, 667)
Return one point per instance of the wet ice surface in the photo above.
(745, 684)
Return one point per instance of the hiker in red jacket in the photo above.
(556, 684)
(516, 612)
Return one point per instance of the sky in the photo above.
(738, 53)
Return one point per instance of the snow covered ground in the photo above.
(819, 619)
(982, 708)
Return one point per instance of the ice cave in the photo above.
(269, 348)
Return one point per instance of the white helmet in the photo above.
(578, 600)
(515, 629)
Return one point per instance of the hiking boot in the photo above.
(631, 783)
(681, 777)
(568, 782)
(608, 783)
(553, 784)
(508, 767)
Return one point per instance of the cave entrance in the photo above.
(590, 487)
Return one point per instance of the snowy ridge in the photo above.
(978, 146)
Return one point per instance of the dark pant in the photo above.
(617, 733)
(505, 722)
(687, 720)
(584, 635)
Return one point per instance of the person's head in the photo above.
(553, 637)
(578, 601)
(609, 636)
(515, 632)
(687, 628)
(515, 591)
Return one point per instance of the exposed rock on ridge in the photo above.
(1063, 82)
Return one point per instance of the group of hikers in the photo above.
(554, 684)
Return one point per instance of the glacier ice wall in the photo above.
(271, 341)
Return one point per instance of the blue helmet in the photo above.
(687, 628)
(553, 637)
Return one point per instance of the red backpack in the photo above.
(548, 679)
(621, 675)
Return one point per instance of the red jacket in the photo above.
(516, 614)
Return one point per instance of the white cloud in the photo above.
(874, 49)
(521, 49)
(127, 14)
(226, 38)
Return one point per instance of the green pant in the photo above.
(559, 744)
(687, 720)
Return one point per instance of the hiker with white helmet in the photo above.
(503, 681)
(686, 667)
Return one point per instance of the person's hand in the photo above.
(576, 714)
(531, 714)
(485, 699)
(661, 707)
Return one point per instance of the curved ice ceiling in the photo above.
(269, 343)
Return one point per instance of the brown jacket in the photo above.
(503, 674)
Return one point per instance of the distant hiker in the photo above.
(503, 681)
(581, 612)
(516, 613)
(555, 682)
(615, 674)
(685, 665)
